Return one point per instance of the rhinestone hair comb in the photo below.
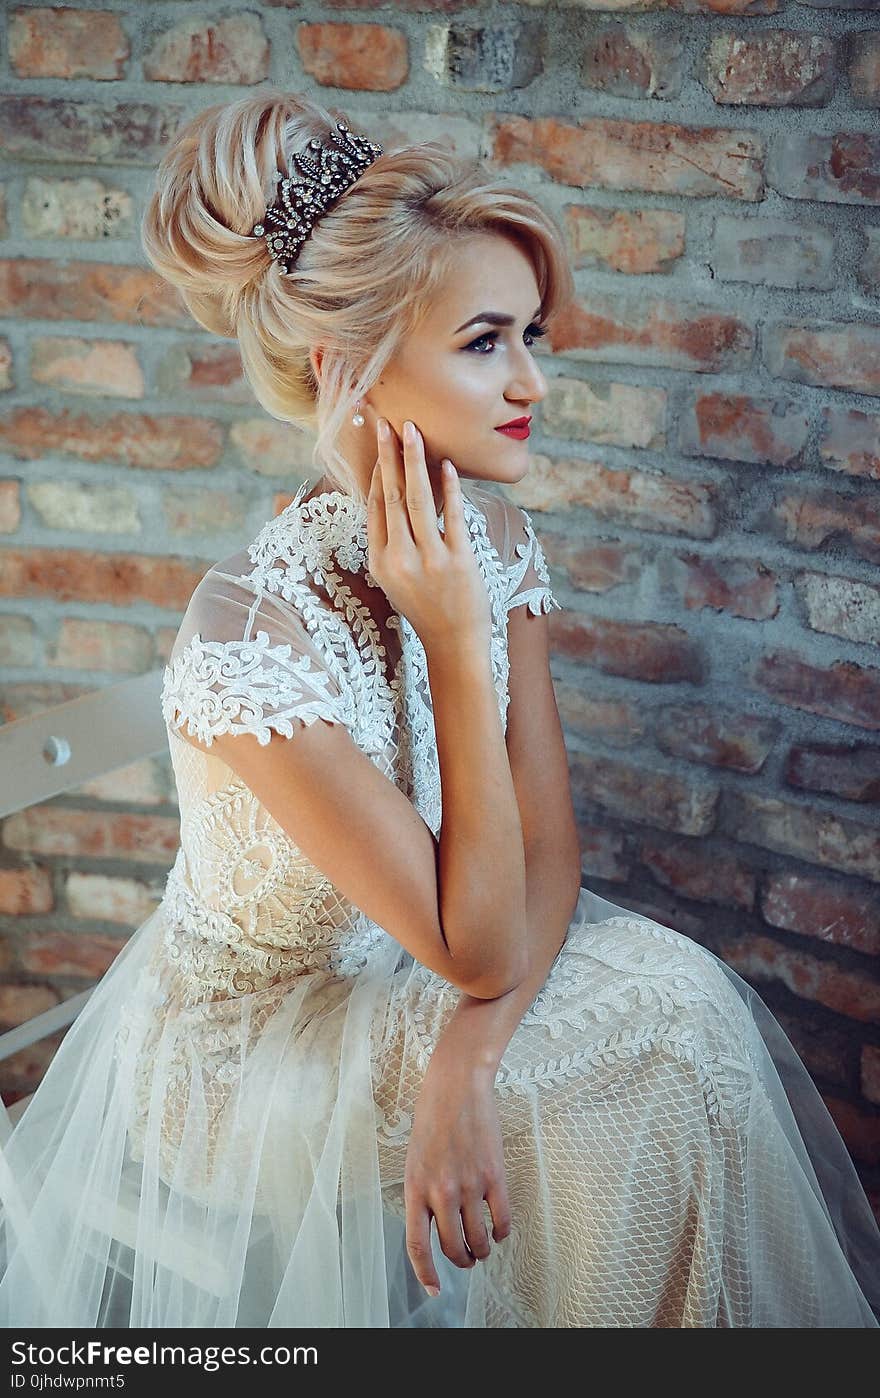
(320, 175)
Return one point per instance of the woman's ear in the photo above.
(316, 357)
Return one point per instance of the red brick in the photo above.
(192, 512)
(145, 783)
(868, 260)
(167, 443)
(859, 1129)
(18, 642)
(840, 168)
(849, 993)
(840, 606)
(86, 643)
(206, 372)
(19, 1003)
(817, 836)
(271, 448)
(871, 1072)
(5, 365)
(67, 575)
(70, 505)
(649, 797)
(632, 241)
(626, 61)
(63, 830)
(83, 954)
(671, 334)
(597, 567)
(736, 427)
(230, 50)
(739, 587)
(708, 734)
(656, 157)
(612, 719)
(363, 57)
(827, 355)
(103, 897)
(850, 441)
(863, 67)
(56, 43)
(101, 368)
(80, 208)
(817, 907)
(775, 68)
(786, 252)
(851, 772)
(619, 414)
(844, 691)
(25, 890)
(827, 1052)
(103, 133)
(10, 507)
(36, 288)
(694, 871)
(655, 652)
(640, 499)
(22, 1073)
(603, 853)
(812, 519)
(671, 913)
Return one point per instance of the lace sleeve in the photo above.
(228, 673)
(529, 577)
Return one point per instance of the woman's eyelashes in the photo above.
(534, 332)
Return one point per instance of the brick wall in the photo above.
(705, 477)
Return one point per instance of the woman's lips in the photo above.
(520, 432)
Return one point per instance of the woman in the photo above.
(374, 996)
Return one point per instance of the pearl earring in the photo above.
(358, 419)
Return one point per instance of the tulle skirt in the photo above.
(240, 1162)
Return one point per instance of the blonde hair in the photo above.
(365, 275)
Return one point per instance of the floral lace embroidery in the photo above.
(245, 687)
(722, 1077)
(665, 970)
(538, 598)
(250, 908)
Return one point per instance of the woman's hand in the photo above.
(454, 1162)
(433, 579)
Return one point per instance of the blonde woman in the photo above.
(378, 1059)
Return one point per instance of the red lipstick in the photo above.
(518, 427)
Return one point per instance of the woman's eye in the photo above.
(534, 332)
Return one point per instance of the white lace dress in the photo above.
(220, 1140)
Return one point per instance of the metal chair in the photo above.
(42, 756)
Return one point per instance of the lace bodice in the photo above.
(284, 633)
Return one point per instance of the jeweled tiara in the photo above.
(320, 175)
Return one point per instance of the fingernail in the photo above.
(433, 1290)
(384, 429)
(409, 431)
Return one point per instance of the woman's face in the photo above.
(459, 382)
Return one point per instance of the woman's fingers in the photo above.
(448, 1219)
(499, 1207)
(418, 1241)
(419, 496)
(393, 485)
(474, 1227)
(377, 524)
(454, 527)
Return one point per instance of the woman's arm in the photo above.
(480, 857)
(455, 1157)
(537, 761)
